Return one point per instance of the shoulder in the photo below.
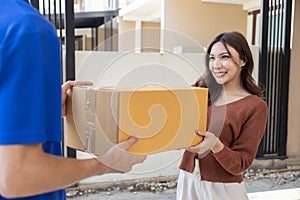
(250, 105)
(251, 101)
(257, 102)
(256, 107)
(23, 21)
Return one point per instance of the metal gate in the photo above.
(274, 69)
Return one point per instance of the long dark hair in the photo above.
(237, 41)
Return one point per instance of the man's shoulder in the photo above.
(19, 17)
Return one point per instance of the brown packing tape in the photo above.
(76, 119)
(90, 118)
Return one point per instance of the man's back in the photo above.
(30, 90)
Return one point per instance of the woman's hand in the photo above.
(64, 92)
(209, 143)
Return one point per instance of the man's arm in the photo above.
(27, 170)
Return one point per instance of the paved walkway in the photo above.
(263, 189)
(285, 194)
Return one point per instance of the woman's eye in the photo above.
(211, 58)
(225, 57)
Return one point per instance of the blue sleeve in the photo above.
(30, 91)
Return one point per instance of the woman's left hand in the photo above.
(64, 90)
(210, 142)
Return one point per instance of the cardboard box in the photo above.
(164, 118)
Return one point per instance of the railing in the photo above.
(274, 68)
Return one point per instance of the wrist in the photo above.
(100, 167)
(218, 147)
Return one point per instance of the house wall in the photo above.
(88, 40)
(293, 140)
(150, 37)
(187, 23)
(202, 21)
(126, 35)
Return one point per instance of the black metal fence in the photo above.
(274, 68)
(52, 10)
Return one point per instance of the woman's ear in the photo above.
(243, 63)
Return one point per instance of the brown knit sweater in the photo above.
(240, 126)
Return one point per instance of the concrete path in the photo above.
(285, 194)
(262, 189)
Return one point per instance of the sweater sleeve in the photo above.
(240, 155)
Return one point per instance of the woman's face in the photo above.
(226, 69)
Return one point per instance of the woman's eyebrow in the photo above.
(222, 53)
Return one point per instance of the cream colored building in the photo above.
(160, 26)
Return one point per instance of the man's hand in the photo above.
(64, 92)
(118, 159)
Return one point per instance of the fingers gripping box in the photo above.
(163, 118)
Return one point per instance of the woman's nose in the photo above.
(217, 63)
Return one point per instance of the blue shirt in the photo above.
(30, 77)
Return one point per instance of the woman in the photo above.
(237, 117)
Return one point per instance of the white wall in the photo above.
(129, 68)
